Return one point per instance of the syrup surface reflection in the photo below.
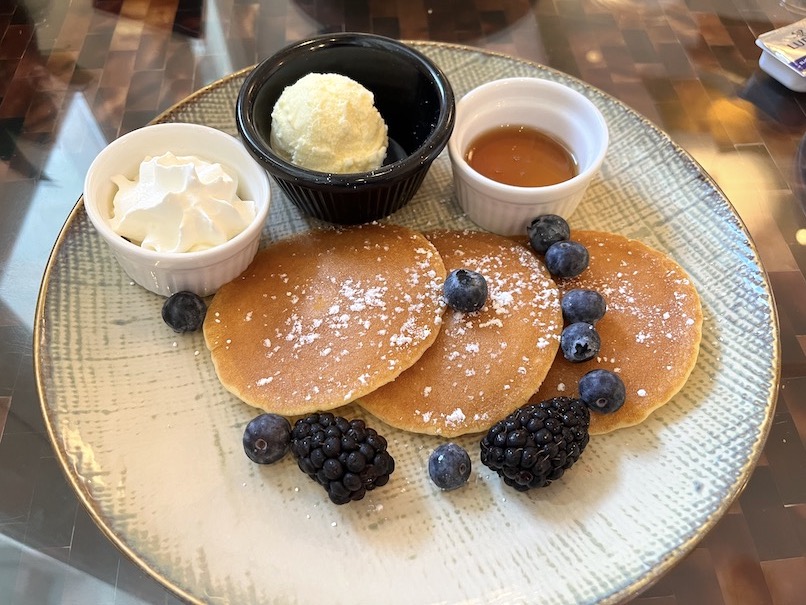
(522, 156)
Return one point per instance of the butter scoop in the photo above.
(329, 123)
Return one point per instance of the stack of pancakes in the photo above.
(329, 317)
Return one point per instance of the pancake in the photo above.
(324, 317)
(482, 365)
(650, 332)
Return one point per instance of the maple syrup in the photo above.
(521, 155)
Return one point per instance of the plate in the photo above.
(152, 443)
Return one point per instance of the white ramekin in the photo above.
(164, 273)
(553, 108)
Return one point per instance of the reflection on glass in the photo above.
(78, 140)
(795, 6)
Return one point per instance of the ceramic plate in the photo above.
(152, 442)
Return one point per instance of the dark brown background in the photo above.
(76, 75)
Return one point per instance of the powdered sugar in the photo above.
(338, 318)
(455, 418)
(494, 350)
(650, 319)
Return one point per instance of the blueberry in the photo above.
(546, 230)
(567, 258)
(184, 311)
(449, 466)
(579, 341)
(602, 391)
(465, 290)
(583, 305)
(267, 438)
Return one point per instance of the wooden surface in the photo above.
(76, 75)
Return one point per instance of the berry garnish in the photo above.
(184, 311)
(465, 290)
(266, 438)
(583, 305)
(579, 342)
(567, 259)
(546, 230)
(449, 466)
(537, 443)
(602, 391)
(346, 457)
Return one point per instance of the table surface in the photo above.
(74, 76)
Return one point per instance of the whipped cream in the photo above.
(179, 204)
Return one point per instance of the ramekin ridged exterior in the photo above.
(165, 273)
(550, 107)
(411, 93)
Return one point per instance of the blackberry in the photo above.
(346, 457)
(535, 444)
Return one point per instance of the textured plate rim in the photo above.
(641, 583)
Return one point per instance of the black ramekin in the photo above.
(411, 93)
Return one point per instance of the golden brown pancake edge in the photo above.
(323, 317)
(650, 333)
(482, 365)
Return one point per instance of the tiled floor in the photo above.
(75, 75)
